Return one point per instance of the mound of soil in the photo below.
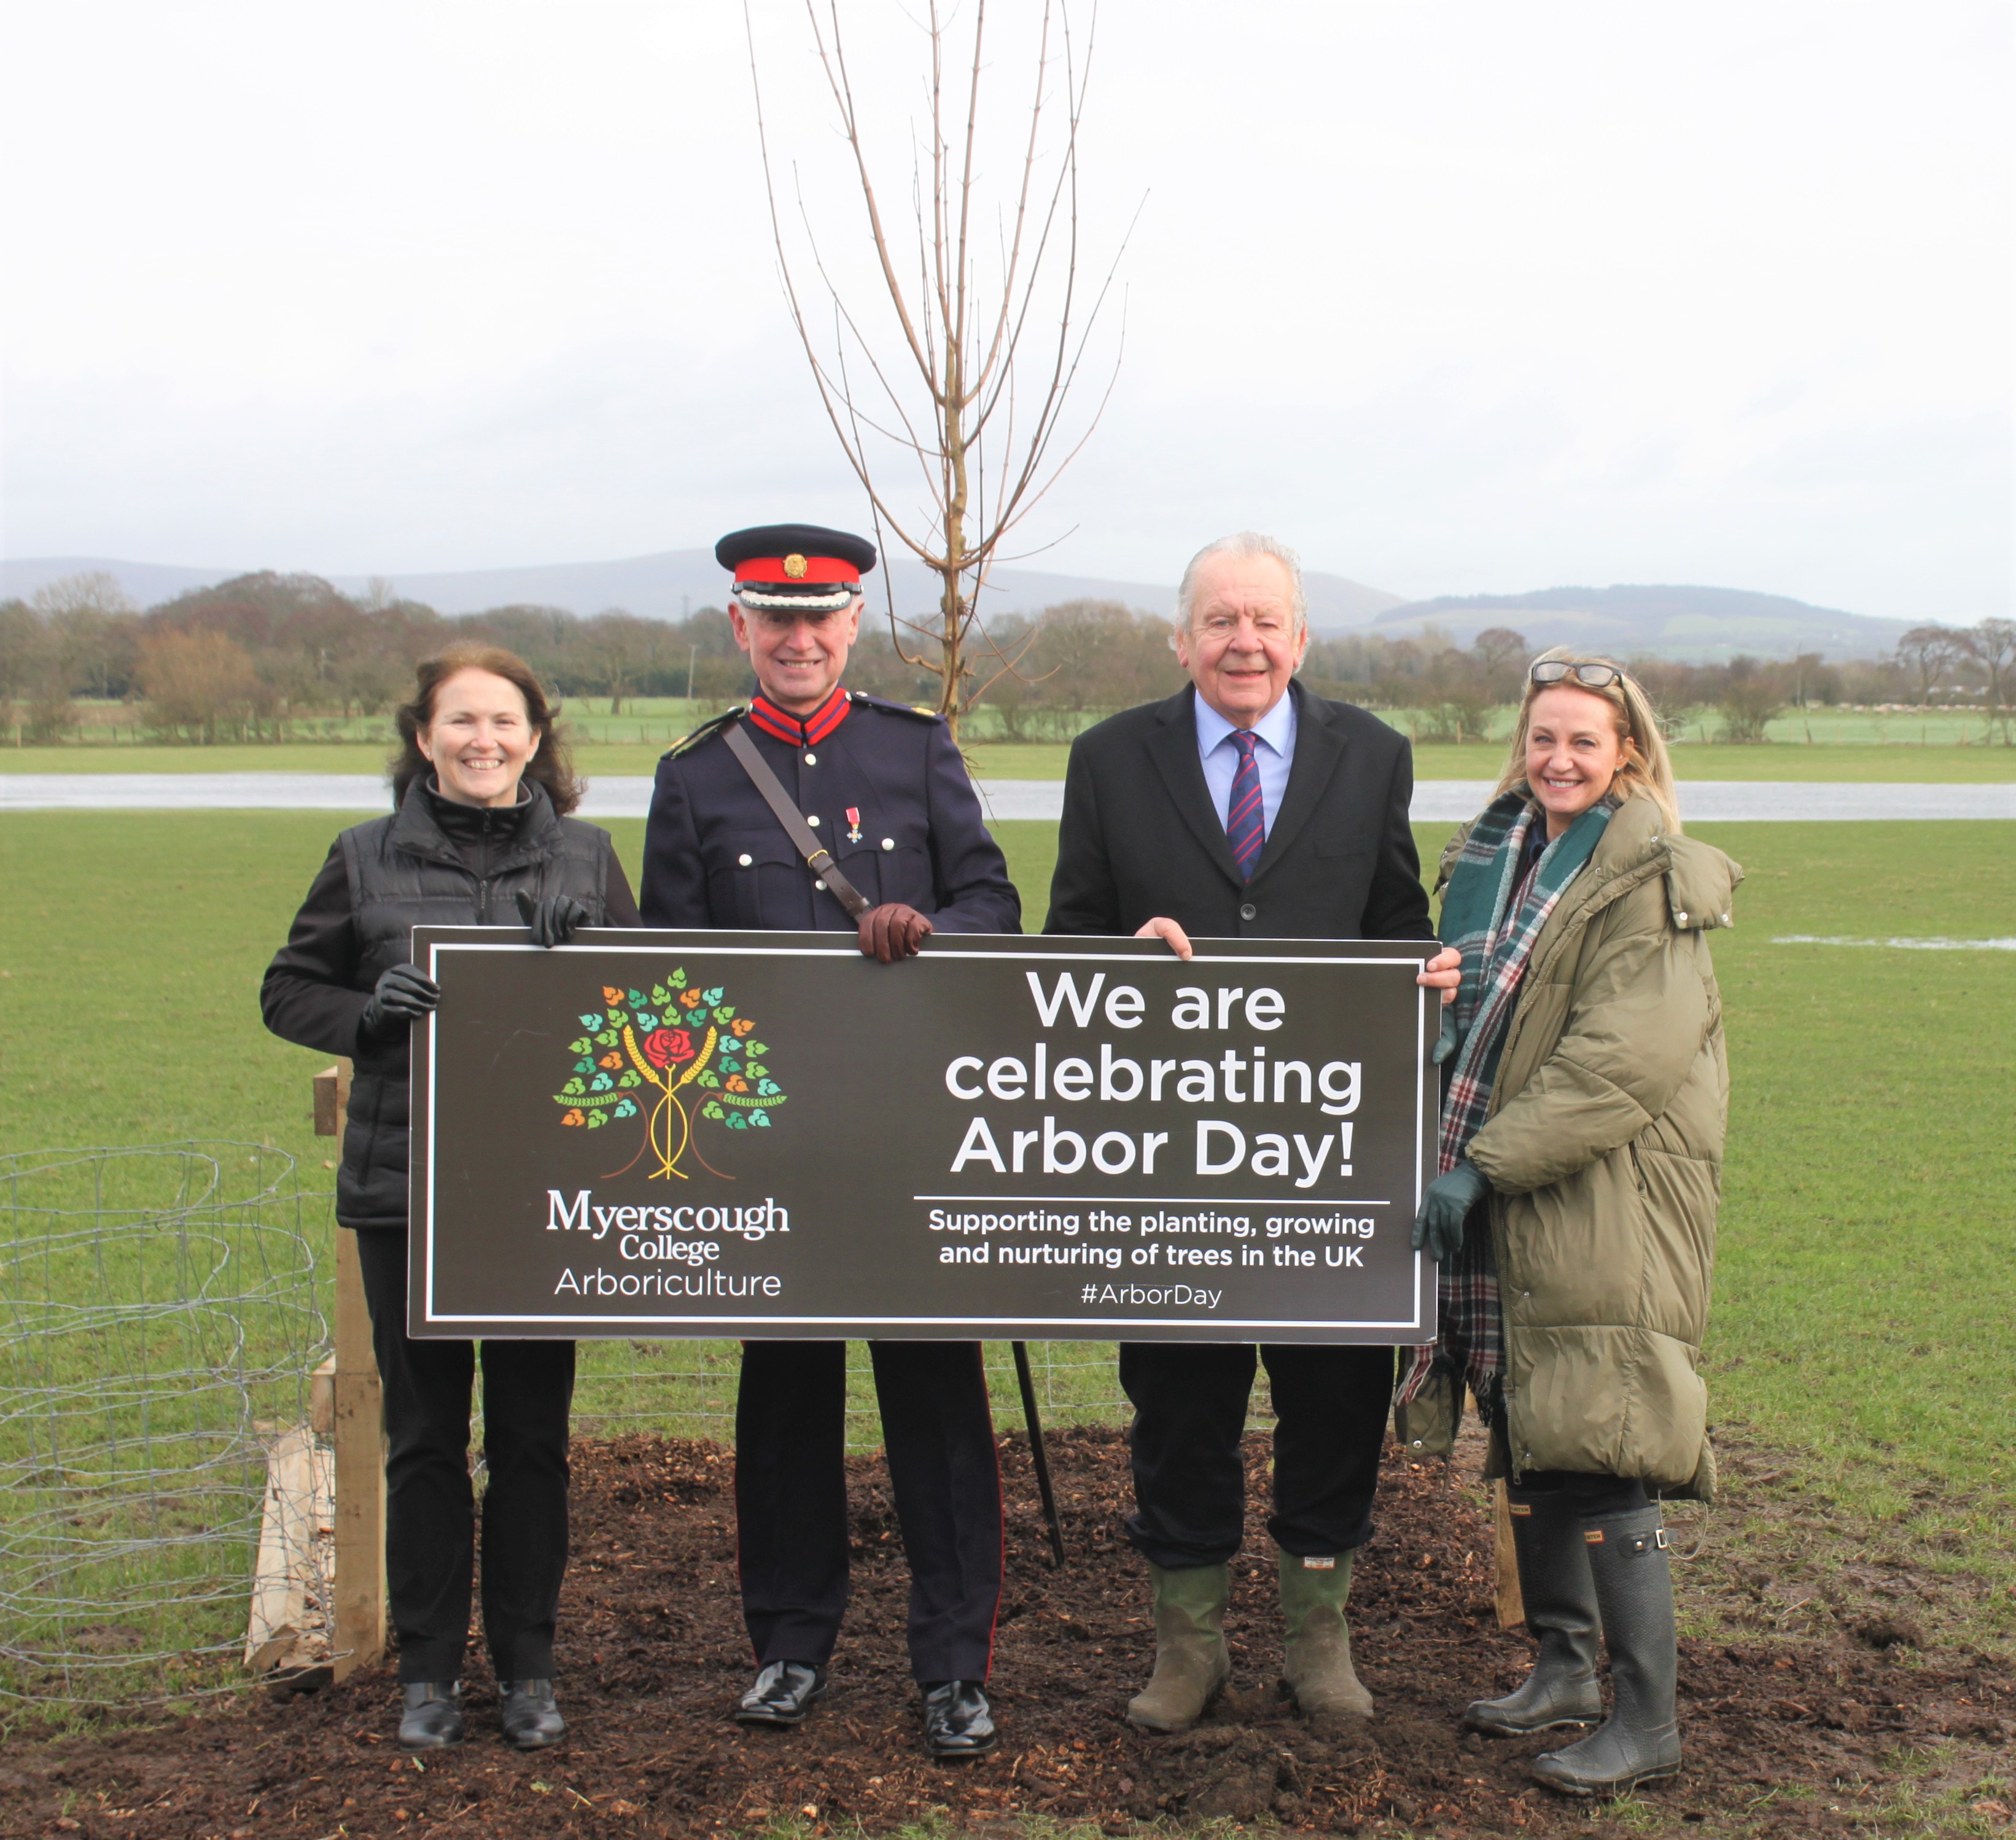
(652, 1656)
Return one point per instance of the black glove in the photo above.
(552, 918)
(405, 994)
(1438, 1228)
(893, 931)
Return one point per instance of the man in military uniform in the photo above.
(888, 804)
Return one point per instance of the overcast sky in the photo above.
(1454, 297)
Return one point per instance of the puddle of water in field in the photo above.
(1902, 945)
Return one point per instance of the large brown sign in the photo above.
(649, 1133)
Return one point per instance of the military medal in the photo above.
(853, 825)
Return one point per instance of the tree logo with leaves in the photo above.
(678, 1057)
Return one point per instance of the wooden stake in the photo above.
(287, 1642)
(332, 1099)
(1511, 1604)
(359, 1434)
(360, 1473)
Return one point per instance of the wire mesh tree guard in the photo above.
(158, 1325)
(168, 1476)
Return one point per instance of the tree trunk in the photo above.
(951, 609)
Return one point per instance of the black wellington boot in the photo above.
(1639, 1742)
(1559, 1595)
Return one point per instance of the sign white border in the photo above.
(1420, 1327)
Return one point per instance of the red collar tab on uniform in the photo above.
(787, 728)
(801, 571)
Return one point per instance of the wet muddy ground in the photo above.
(1784, 1736)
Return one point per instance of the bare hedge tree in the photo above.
(200, 686)
(959, 372)
(1995, 650)
(1751, 698)
(1932, 652)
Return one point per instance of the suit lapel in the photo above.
(1173, 745)
(1319, 747)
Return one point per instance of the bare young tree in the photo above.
(961, 370)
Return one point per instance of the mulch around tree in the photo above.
(652, 1656)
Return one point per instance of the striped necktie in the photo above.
(1245, 820)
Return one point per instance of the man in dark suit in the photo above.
(1245, 808)
(883, 790)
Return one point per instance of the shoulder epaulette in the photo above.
(916, 712)
(712, 726)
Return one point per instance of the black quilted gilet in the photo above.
(406, 871)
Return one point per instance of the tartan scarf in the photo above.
(1499, 900)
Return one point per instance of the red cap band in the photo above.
(774, 571)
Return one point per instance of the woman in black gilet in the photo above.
(480, 836)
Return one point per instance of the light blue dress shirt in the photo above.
(1274, 754)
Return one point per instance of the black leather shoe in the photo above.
(530, 1719)
(782, 1694)
(432, 1715)
(957, 1722)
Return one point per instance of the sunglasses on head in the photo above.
(1596, 677)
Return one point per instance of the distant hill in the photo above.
(1698, 625)
(147, 583)
(1333, 601)
(664, 586)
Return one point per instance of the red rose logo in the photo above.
(667, 1047)
(704, 1067)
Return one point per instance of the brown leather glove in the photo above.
(893, 931)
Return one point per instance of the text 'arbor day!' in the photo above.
(1221, 1089)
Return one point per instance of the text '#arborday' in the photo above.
(1135, 1296)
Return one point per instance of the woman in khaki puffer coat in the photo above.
(1585, 1100)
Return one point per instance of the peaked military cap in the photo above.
(798, 568)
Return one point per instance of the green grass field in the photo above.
(1950, 751)
(653, 721)
(1866, 1311)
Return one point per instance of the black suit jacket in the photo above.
(1140, 838)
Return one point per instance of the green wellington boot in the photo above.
(1316, 1665)
(1639, 1742)
(1561, 1611)
(1191, 1660)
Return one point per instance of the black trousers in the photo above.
(1593, 1494)
(1330, 1405)
(430, 1509)
(790, 1499)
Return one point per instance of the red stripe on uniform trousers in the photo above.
(1001, 1496)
